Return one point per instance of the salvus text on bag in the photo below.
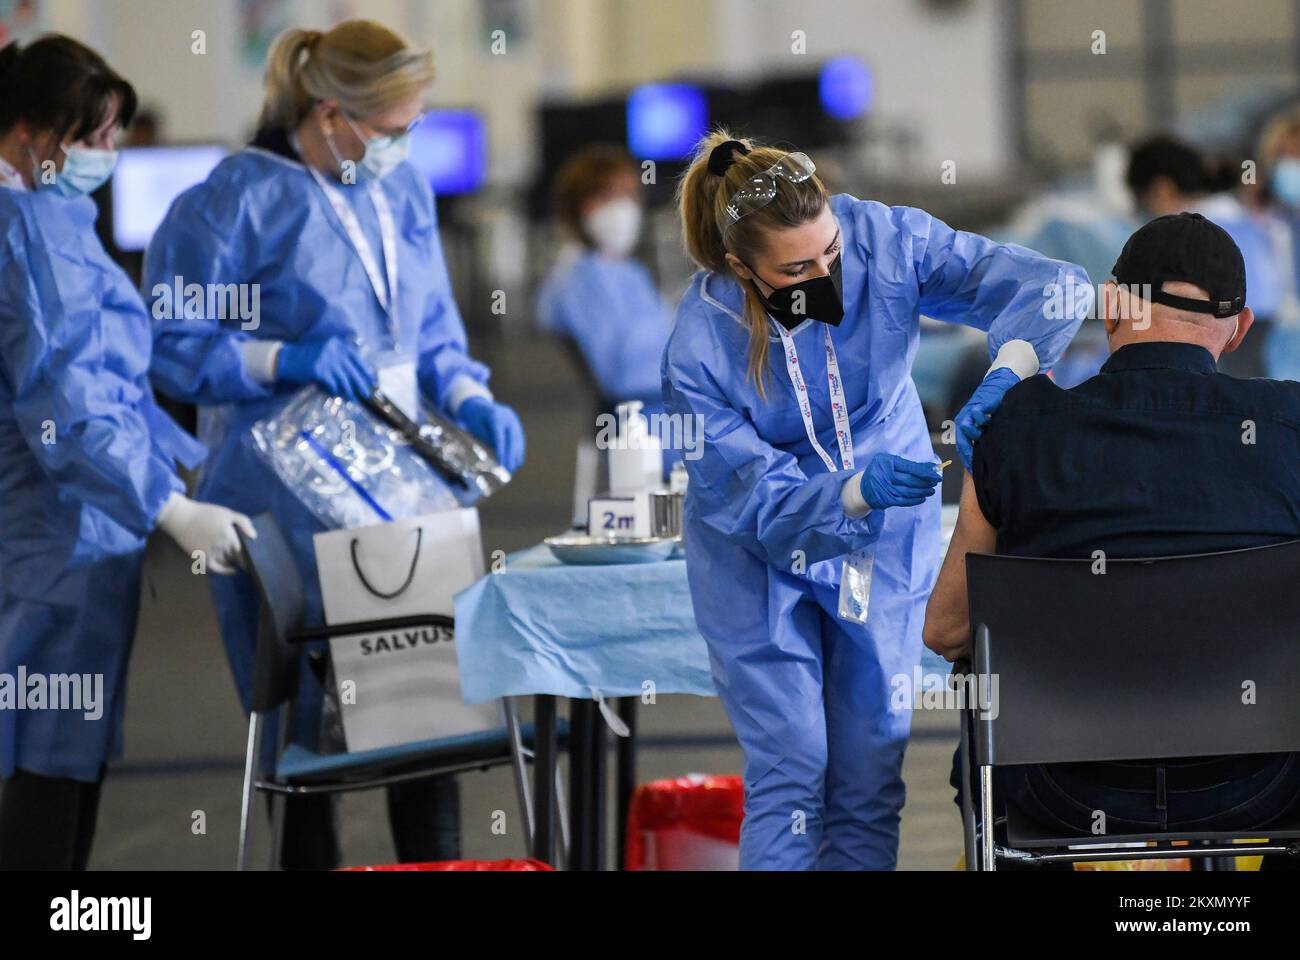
(405, 640)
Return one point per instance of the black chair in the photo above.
(1148, 659)
(296, 770)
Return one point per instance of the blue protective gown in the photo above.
(261, 218)
(609, 307)
(807, 693)
(88, 464)
(1282, 350)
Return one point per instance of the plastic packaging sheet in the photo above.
(541, 626)
(346, 467)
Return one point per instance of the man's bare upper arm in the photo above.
(947, 615)
(973, 528)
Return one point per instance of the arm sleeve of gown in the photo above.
(198, 358)
(757, 495)
(1010, 292)
(82, 416)
(448, 375)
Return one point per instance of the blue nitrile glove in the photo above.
(328, 361)
(891, 481)
(982, 404)
(496, 425)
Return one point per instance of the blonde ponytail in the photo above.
(286, 101)
(702, 197)
(360, 64)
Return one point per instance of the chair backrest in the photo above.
(1173, 657)
(271, 565)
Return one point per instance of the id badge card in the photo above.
(398, 382)
(855, 585)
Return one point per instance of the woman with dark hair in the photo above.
(90, 460)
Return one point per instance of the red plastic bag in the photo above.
(448, 865)
(689, 823)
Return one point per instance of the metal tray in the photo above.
(582, 549)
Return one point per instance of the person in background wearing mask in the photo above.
(1167, 177)
(793, 347)
(1279, 157)
(341, 235)
(89, 459)
(597, 295)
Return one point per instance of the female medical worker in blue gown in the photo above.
(341, 237)
(793, 348)
(89, 459)
(597, 294)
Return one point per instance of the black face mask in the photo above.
(821, 298)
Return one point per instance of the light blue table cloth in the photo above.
(544, 627)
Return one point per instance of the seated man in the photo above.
(1157, 455)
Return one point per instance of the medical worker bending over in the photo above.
(340, 236)
(815, 491)
(89, 459)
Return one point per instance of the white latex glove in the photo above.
(207, 527)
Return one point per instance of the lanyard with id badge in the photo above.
(396, 368)
(855, 577)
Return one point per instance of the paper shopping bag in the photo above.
(401, 686)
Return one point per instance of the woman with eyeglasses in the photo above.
(811, 526)
(340, 235)
(90, 461)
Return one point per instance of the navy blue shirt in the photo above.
(1157, 455)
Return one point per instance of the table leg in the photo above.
(625, 774)
(599, 788)
(544, 755)
(580, 734)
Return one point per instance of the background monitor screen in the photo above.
(147, 180)
(449, 148)
(666, 120)
(846, 88)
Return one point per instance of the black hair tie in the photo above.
(723, 157)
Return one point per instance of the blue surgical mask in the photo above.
(1286, 181)
(85, 170)
(383, 154)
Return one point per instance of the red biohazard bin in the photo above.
(690, 823)
(459, 865)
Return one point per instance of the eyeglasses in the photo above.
(761, 190)
(392, 132)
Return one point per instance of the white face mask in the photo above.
(615, 226)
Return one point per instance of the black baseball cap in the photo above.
(1185, 247)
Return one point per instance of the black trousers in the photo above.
(423, 815)
(47, 823)
(1237, 794)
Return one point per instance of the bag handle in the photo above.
(410, 576)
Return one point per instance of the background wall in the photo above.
(579, 49)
